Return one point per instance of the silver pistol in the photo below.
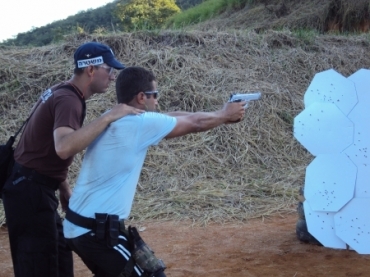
(239, 97)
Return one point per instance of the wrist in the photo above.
(223, 116)
(64, 186)
(106, 119)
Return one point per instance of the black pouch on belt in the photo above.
(112, 230)
(101, 219)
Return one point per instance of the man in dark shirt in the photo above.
(51, 138)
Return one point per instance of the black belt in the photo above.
(87, 222)
(33, 175)
(79, 220)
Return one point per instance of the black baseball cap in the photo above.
(94, 53)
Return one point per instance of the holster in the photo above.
(143, 255)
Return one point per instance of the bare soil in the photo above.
(261, 247)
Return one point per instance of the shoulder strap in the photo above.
(67, 86)
(12, 138)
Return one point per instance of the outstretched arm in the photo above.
(178, 113)
(69, 142)
(203, 121)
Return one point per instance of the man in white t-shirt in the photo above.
(105, 188)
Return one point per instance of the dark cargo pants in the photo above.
(35, 230)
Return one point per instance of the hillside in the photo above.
(235, 172)
(101, 20)
(323, 16)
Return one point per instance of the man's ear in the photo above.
(140, 98)
(90, 70)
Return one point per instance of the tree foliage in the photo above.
(186, 4)
(89, 21)
(148, 14)
(98, 21)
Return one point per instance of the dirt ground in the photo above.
(265, 247)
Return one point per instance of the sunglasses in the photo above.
(108, 68)
(154, 93)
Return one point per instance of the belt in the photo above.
(87, 222)
(33, 175)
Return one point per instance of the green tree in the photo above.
(145, 14)
(186, 4)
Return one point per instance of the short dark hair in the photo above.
(132, 80)
(78, 71)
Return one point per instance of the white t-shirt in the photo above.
(111, 167)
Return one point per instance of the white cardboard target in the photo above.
(327, 132)
(330, 182)
(321, 226)
(352, 224)
(323, 129)
(331, 87)
(359, 151)
(361, 79)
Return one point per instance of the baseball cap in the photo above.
(94, 53)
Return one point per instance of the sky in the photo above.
(19, 16)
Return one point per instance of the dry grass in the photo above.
(234, 172)
(321, 15)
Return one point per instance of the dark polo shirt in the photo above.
(58, 108)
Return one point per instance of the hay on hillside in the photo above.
(234, 172)
(322, 15)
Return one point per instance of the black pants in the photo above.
(37, 244)
(99, 258)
